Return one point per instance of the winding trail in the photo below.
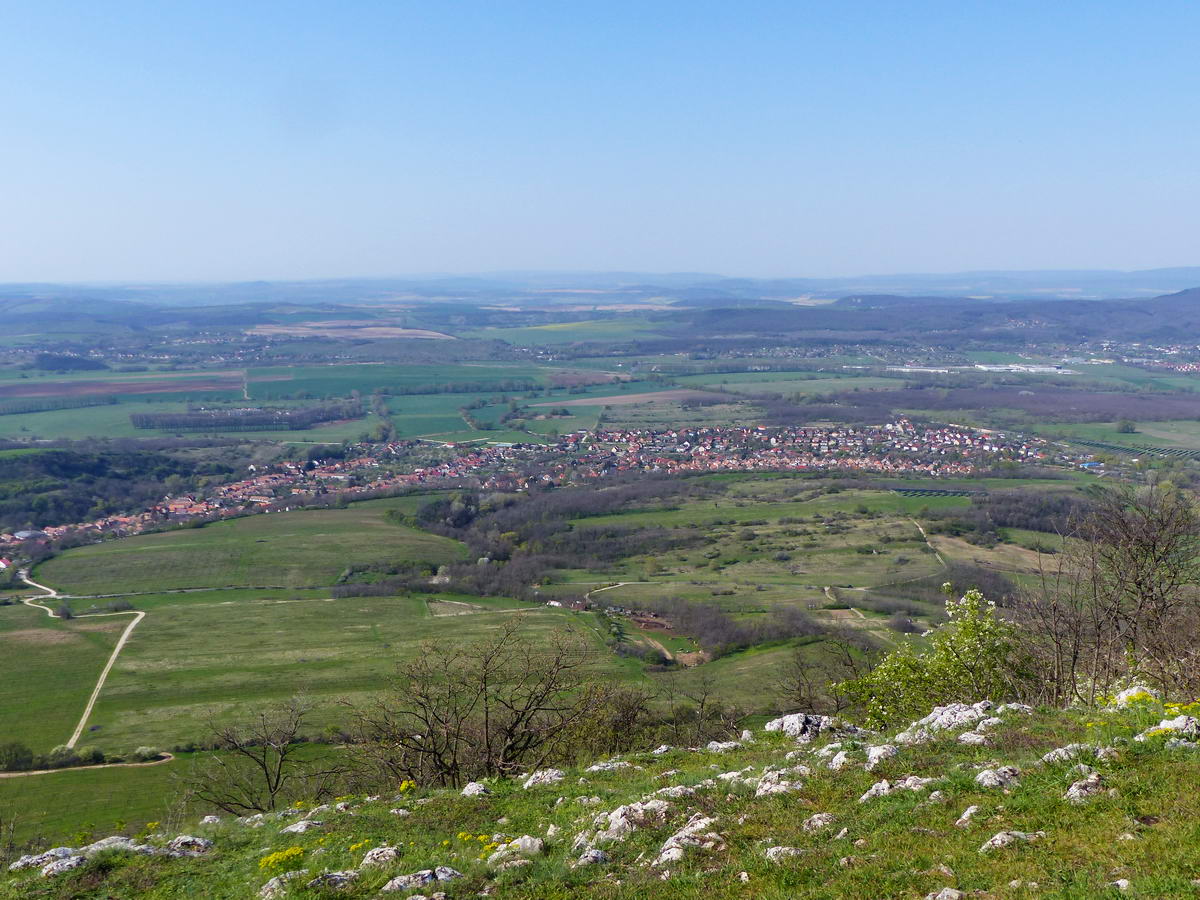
(52, 594)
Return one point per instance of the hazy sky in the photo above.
(188, 140)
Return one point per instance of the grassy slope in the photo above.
(896, 846)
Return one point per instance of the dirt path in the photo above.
(167, 757)
(928, 544)
(51, 594)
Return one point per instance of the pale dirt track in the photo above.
(138, 615)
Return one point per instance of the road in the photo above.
(51, 594)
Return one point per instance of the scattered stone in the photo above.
(818, 821)
(66, 864)
(551, 831)
(1005, 838)
(379, 856)
(524, 846)
(1066, 754)
(300, 827)
(610, 766)
(115, 842)
(1002, 777)
(778, 854)
(693, 834)
(946, 893)
(544, 776)
(417, 879)
(944, 718)
(844, 833)
(1014, 707)
(334, 879)
(885, 787)
(659, 751)
(1084, 789)
(722, 746)
(475, 789)
(774, 781)
(30, 861)
(625, 819)
(1121, 884)
(342, 807)
(588, 801)
(965, 819)
(675, 791)
(877, 755)
(277, 886)
(1184, 726)
(974, 738)
(805, 727)
(839, 761)
(185, 843)
(211, 820)
(1126, 837)
(1136, 694)
(592, 857)
(400, 812)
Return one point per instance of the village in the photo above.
(899, 448)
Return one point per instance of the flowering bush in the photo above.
(282, 859)
(972, 656)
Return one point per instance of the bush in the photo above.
(15, 757)
(972, 656)
(145, 754)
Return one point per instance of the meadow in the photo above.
(303, 548)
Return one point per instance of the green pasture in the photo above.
(303, 548)
(48, 668)
(194, 662)
(58, 807)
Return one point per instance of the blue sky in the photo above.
(187, 140)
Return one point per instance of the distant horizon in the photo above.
(517, 274)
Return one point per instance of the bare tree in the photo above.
(809, 680)
(262, 763)
(491, 708)
(1122, 599)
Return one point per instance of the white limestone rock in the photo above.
(1007, 838)
(543, 777)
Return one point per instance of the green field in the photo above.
(339, 380)
(298, 549)
(199, 660)
(69, 803)
(48, 668)
(620, 329)
(790, 382)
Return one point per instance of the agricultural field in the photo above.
(199, 660)
(788, 383)
(299, 549)
(69, 803)
(48, 668)
(617, 329)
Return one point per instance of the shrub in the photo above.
(972, 656)
(145, 754)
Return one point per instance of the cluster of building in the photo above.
(896, 448)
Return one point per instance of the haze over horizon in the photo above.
(215, 142)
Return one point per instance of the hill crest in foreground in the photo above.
(982, 800)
